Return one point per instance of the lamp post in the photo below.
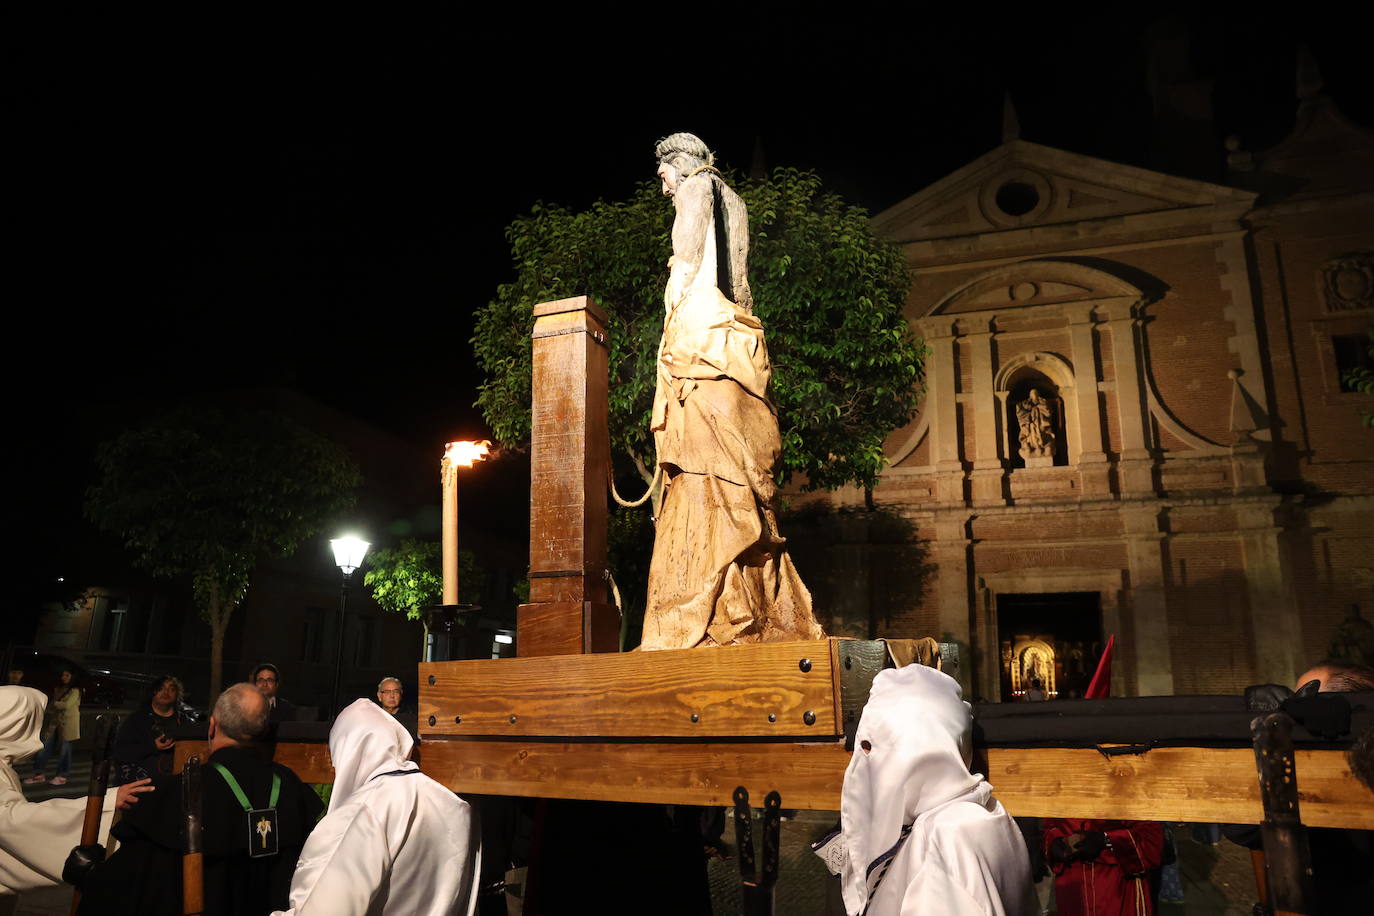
(348, 556)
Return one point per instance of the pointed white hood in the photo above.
(21, 720)
(365, 742)
(912, 753)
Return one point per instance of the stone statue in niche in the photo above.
(1035, 416)
(720, 574)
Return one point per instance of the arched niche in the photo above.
(1051, 377)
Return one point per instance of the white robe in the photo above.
(964, 855)
(35, 837)
(392, 843)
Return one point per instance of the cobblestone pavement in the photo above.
(1217, 880)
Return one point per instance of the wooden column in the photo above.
(569, 611)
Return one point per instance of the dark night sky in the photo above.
(197, 203)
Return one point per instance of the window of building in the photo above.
(1352, 352)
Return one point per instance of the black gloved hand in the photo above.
(1324, 714)
(81, 861)
(1091, 846)
(1265, 697)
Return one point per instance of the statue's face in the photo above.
(669, 175)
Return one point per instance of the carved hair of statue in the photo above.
(689, 146)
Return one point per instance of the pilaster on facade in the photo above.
(1144, 540)
(1276, 627)
(951, 551)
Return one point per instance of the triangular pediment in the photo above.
(1020, 185)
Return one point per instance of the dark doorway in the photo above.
(1052, 637)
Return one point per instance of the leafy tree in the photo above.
(846, 368)
(408, 578)
(207, 493)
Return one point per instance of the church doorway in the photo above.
(1054, 638)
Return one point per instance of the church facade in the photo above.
(1135, 422)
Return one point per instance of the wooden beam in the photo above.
(308, 761)
(1216, 785)
(569, 610)
(805, 775)
(774, 690)
(1166, 784)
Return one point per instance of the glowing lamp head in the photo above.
(349, 552)
(464, 454)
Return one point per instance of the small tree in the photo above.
(208, 493)
(409, 578)
(846, 368)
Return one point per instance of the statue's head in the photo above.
(678, 156)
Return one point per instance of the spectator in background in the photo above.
(389, 695)
(143, 746)
(247, 872)
(1036, 694)
(389, 692)
(267, 679)
(61, 727)
(16, 676)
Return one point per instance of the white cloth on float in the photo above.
(962, 854)
(35, 837)
(394, 841)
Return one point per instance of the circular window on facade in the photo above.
(1017, 198)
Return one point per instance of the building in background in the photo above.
(1135, 421)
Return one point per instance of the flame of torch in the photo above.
(463, 454)
(456, 455)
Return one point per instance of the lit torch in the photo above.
(456, 454)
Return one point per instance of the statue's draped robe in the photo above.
(719, 573)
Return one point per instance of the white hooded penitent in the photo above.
(963, 853)
(35, 837)
(394, 840)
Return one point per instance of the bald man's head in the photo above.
(1338, 677)
(241, 714)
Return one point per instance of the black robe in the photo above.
(144, 874)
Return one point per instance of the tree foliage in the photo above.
(408, 578)
(846, 368)
(207, 493)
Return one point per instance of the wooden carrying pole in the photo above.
(569, 610)
(192, 860)
(95, 793)
(1288, 861)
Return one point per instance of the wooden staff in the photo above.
(95, 793)
(192, 861)
(1288, 861)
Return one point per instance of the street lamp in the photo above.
(348, 556)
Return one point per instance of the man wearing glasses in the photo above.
(267, 679)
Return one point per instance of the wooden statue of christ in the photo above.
(720, 574)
